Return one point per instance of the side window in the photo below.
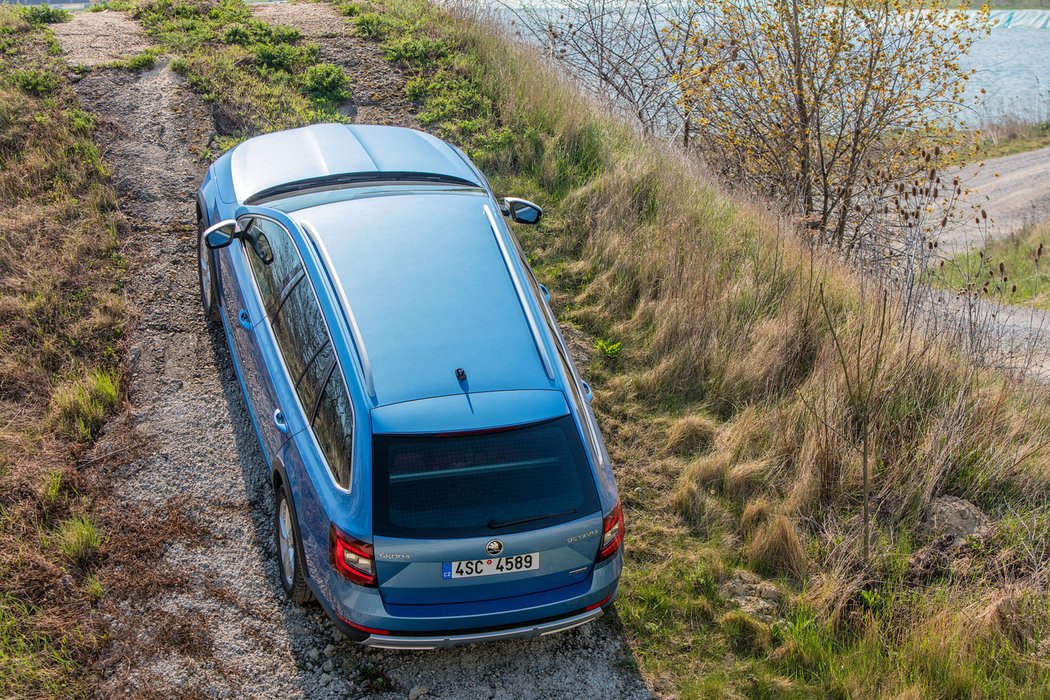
(302, 337)
(333, 425)
(273, 259)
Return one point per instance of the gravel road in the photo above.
(239, 637)
(1014, 190)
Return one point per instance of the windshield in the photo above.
(331, 193)
(487, 484)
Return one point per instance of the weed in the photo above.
(94, 588)
(37, 82)
(324, 81)
(78, 539)
(609, 349)
(82, 406)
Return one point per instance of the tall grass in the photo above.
(62, 319)
(729, 410)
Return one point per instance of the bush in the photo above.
(324, 81)
(370, 24)
(45, 14)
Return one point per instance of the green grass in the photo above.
(77, 539)
(81, 407)
(1014, 137)
(1027, 271)
(262, 77)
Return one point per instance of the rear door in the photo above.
(476, 516)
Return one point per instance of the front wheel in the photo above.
(289, 550)
(206, 274)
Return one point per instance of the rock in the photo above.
(954, 517)
(327, 666)
(417, 692)
(754, 595)
(313, 654)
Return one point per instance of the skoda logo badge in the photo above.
(494, 547)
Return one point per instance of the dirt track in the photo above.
(1014, 190)
(236, 635)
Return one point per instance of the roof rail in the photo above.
(355, 331)
(533, 326)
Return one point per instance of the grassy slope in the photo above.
(725, 405)
(1024, 257)
(61, 318)
(1013, 137)
(722, 338)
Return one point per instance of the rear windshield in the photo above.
(473, 485)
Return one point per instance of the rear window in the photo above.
(477, 485)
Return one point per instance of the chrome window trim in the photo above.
(508, 263)
(355, 330)
(284, 365)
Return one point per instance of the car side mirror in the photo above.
(521, 211)
(221, 234)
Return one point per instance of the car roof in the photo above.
(430, 292)
(271, 161)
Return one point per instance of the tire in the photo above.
(209, 287)
(289, 550)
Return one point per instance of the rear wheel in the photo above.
(206, 273)
(289, 550)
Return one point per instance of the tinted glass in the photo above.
(482, 484)
(334, 428)
(272, 257)
(301, 335)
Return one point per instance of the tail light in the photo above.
(612, 533)
(351, 557)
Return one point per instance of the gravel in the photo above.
(243, 639)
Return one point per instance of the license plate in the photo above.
(490, 567)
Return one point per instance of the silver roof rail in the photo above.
(355, 331)
(533, 326)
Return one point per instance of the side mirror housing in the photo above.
(221, 234)
(521, 211)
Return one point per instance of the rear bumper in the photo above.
(438, 642)
(361, 614)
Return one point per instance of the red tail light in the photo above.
(612, 533)
(351, 557)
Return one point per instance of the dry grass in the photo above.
(62, 318)
(731, 364)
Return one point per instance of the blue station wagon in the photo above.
(439, 476)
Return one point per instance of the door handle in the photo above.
(244, 319)
(279, 421)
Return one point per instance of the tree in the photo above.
(833, 106)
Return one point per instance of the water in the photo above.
(1013, 66)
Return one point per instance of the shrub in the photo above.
(285, 57)
(45, 14)
(324, 81)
